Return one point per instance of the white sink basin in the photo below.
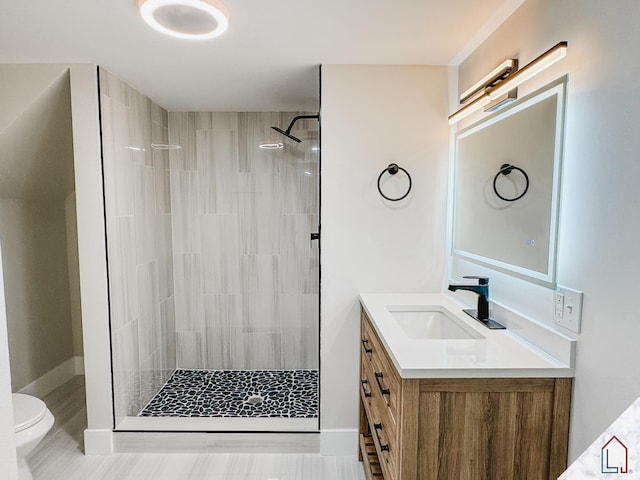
(431, 322)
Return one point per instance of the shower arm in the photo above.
(299, 117)
(287, 132)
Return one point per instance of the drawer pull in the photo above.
(364, 345)
(383, 447)
(383, 391)
(364, 387)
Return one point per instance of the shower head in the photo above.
(287, 132)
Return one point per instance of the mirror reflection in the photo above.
(506, 186)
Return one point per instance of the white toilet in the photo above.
(31, 422)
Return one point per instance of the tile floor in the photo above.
(60, 456)
(237, 393)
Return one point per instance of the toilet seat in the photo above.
(27, 411)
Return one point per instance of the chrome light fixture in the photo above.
(500, 84)
(497, 74)
(188, 19)
(541, 63)
(467, 110)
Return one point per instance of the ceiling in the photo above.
(268, 58)
(36, 147)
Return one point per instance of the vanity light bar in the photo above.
(467, 110)
(502, 70)
(539, 64)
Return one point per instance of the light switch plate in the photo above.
(567, 308)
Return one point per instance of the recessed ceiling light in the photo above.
(190, 19)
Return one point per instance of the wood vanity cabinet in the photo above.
(459, 428)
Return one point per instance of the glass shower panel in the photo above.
(213, 276)
(139, 244)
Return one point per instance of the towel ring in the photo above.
(506, 169)
(392, 169)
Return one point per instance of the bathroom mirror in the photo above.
(507, 186)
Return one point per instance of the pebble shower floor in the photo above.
(237, 393)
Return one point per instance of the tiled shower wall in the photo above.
(139, 243)
(245, 270)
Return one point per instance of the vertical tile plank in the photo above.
(260, 303)
(189, 299)
(220, 239)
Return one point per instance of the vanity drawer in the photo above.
(385, 379)
(373, 397)
(367, 383)
(382, 429)
(383, 435)
(369, 343)
(372, 468)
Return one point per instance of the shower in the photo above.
(214, 286)
(287, 132)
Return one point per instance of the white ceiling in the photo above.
(268, 58)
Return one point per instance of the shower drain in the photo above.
(254, 400)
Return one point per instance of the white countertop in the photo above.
(499, 354)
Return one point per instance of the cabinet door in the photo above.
(486, 429)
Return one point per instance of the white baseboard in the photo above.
(55, 377)
(337, 443)
(98, 442)
(203, 442)
(332, 443)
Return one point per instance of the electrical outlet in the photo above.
(568, 308)
(559, 305)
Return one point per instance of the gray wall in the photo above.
(36, 178)
(246, 273)
(74, 273)
(34, 261)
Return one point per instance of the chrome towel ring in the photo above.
(506, 169)
(392, 169)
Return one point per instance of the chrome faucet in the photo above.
(482, 290)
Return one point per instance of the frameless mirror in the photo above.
(506, 186)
